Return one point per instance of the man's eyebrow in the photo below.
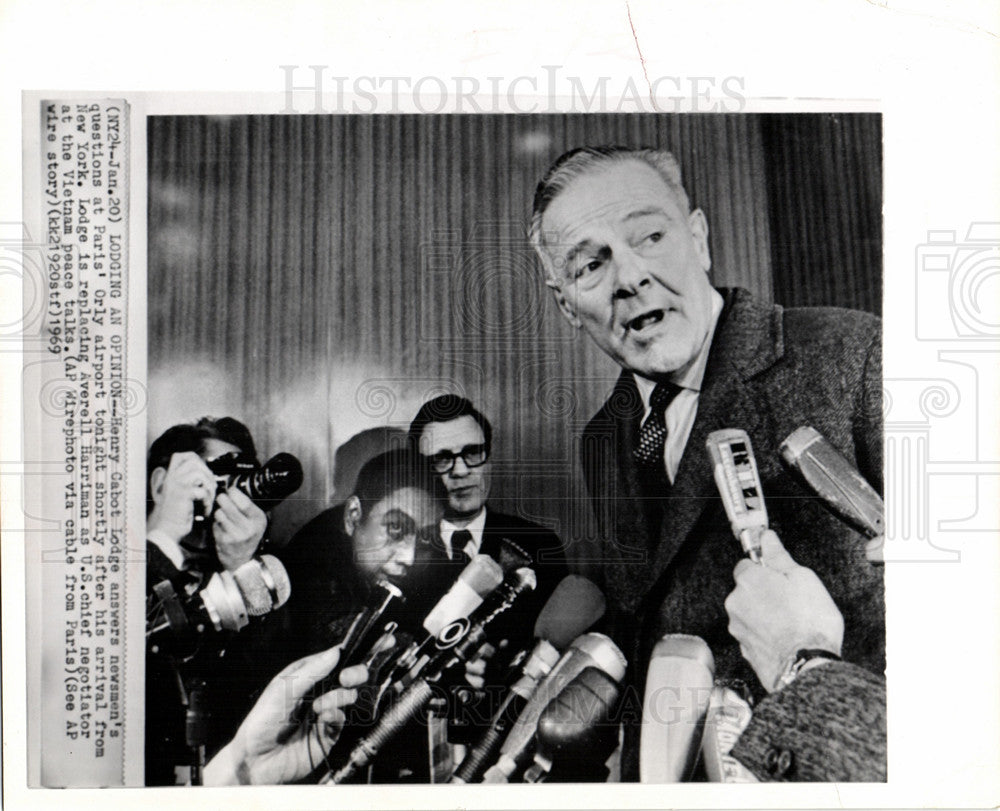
(397, 514)
(576, 250)
(643, 212)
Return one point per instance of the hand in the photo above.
(176, 488)
(273, 745)
(777, 609)
(238, 528)
(475, 668)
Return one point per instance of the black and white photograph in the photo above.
(593, 367)
(493, 406)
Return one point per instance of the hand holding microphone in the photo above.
(778, 609)
(273, 745)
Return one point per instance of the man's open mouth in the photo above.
(640, 322)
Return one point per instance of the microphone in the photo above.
(728, 715)
(480, 577)
(576, 732)
(736, 476)
(839, 485)
(678, 687)
(225, 604)
(589, 650)
(457, 643)
(574, 606)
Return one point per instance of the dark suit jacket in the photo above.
(827, 725)
(669, 556)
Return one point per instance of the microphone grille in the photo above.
(575, 605)
(264, 584)
(482, 575)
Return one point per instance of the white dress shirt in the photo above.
(475, 527)
(684, 407)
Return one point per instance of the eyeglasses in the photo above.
(472, 455)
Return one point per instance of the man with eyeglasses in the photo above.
(456, 441)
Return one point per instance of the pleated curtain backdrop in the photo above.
(317, 276)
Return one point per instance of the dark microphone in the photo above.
(179, 624)
(457, 644)
(738, 481)
(576, 733)
(841, 488)
(574, 606)
(589, 650)
(678, 688)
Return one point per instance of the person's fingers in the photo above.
(300, 676)
(353, 676)
(741, 568)
(773, 553)
(477, 682)
(241, 501)
(476, 666)
(329, 705)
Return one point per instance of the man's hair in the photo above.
(571, 165)
(446, 408)
(391, 471)
(192, 437)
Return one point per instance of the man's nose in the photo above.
(406, 552)
(631, 273)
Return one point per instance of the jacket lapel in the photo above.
(746, 342)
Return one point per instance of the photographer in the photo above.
(192, 531)
(191, 528)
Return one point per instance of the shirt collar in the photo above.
(475, 527)
(692, 377)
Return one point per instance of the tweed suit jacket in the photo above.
(668, 556)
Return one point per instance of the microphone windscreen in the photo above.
(678, 688)
(264, 584)
(478, 579)
(578, 721)
(575, 605)
(728, 716)
(834, 479)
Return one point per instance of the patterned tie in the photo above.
(653, 434)
(459, 540)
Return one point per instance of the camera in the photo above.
(266, 485)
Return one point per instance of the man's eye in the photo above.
(395, 531)
(589, 267)
(656, 236)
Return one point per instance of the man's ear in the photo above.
(566, 307)
(699, 233)
(352, 515)
(156, 479)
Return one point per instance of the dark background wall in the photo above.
(319, 276)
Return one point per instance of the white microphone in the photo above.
(728, 715)
(678, 688)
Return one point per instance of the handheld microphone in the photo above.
(736, 476)
(179, 625)
(576, 733)
(678, 687)
(728, 715)
(480, 577)
(839, 485)
(589, 650)
(457, 643)
(574, 606)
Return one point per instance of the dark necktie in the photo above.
(653, 433)
(459, 540)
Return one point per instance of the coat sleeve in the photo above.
(826, 726)
(868, 414)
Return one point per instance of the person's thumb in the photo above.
(773, 554)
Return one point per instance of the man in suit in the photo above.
(628, 262)
(456, 440)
